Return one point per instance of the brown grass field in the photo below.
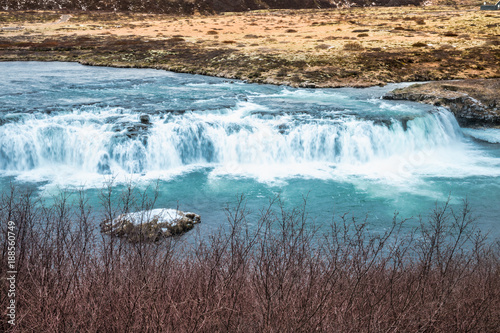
(314, 48)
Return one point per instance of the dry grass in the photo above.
(272, 273)
(459, 43)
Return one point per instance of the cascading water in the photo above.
(207, 140)
(108, 141)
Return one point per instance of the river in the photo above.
(208, 140)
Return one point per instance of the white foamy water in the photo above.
(249, 139)
(207, 139)
(241, 141)
(490, 135)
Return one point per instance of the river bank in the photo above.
(355, 47)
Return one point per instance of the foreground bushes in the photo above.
(273, 273)
(191, 6)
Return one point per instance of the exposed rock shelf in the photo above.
(474, 102)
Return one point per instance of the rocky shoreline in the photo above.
(473, 102)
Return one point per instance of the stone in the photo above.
(144, 118)
(150, 225)
(473, 102)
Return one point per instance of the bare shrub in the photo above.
(176, 40)
(446, 47)
(192, 6)
(282, 72)
(353, 46)
(259, 272)
(322, 47)
(419, 44)
(492, 42)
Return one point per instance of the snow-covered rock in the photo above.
(150, 225)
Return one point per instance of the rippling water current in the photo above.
(208, 140)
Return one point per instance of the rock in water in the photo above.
(473, 102)
(144, 118)
(150, 225)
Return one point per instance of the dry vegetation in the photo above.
(275, 272)
(192, 6)
(330, 47)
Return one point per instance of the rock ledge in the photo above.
(473, 102)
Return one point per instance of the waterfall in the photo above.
(110, 140)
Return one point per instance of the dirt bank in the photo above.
(356, 47)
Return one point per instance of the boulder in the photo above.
(473, 102)
(150, 225)
(144, 118)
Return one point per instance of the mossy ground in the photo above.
(318, 48)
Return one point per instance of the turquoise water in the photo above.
(208, 140)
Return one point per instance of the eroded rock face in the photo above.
(473, 102)
(150, 225)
